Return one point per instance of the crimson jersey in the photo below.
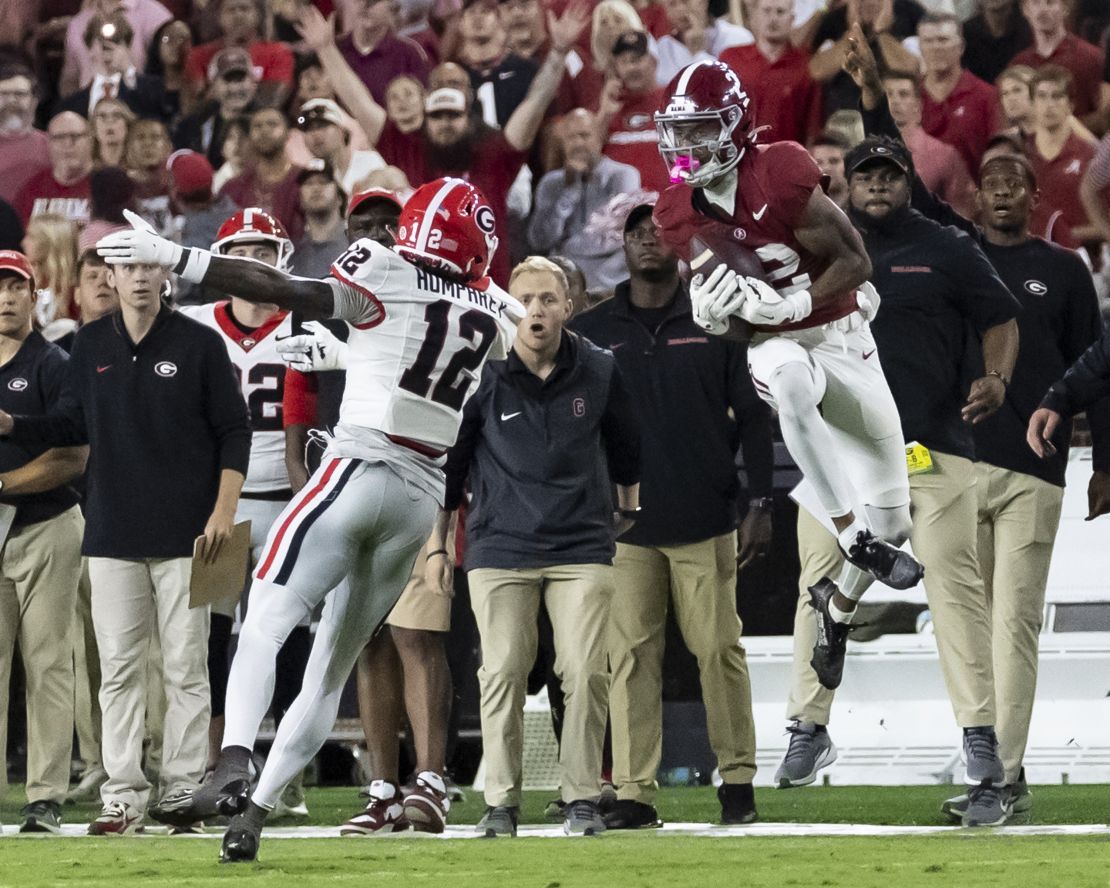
(775, 182)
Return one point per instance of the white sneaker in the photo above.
(117, 819)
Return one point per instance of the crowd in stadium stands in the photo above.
(187, 111)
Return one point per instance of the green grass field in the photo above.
(638, 860)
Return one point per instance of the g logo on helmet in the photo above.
(18, 384)
(1036, 288)
(484, 219)
(166, 368)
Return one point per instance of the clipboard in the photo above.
(223, 579)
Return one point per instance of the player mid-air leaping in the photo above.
(811, 354)
(424, 319)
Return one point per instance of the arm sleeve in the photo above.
(298, 400)
(357, 280)
(64, 425)
(982, 297)
(461, 453)
(753, 420)
(1087, 380)
(227, 411)
(1080, 331)
(620, 432)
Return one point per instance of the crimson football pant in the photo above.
(355, 520)
(840, 424)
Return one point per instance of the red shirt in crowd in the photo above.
(1058, 181)
(42, 193)
(1083, 60)
(633, 139)
(282, 199)
(784, 97)
(392, 57)
(21, 157)
(493, 169)
(942, 169)
(273, 60)
(966, 119)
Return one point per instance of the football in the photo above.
(705, 257)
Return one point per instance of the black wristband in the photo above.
(631, 514)
(435, 552)
(183, 261)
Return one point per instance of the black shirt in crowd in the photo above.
(162, 419)
(697, 406)
(11, 229)
(535, 452)
(987, 56)
(31, 384)
(937, 290)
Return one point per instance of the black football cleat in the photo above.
(886, 563)
(226, 792)
(243, 836)
(832, 637)
(737, 803)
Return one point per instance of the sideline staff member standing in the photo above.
(684, 550)
(41, 559)
(541, 522)
(155, 396)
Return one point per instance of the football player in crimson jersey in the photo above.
(811, 355)
(424, 318)
(251, 331)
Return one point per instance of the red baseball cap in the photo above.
(11, 260)
(360, 197)
(190, 171)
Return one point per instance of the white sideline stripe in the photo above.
(705, 830)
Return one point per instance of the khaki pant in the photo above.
(39, 569)
(944, 504)
(506, 606)
(700, 579)
(130, 601)
(1018, 519)
(86, 674)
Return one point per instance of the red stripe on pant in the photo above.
(289, 519)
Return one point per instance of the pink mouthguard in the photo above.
(684, 167)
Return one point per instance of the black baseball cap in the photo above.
(636, 216)
(868, 152)
(631, 41)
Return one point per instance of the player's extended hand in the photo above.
(1098, 495)
(7, 423)
(317, 349)
(986, 396)
(765, 305)
(1042, 426)
(715, 298)
(142, 245)
(216, 532)
(754, 539)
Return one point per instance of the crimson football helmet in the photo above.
(448, 224)
(250, 226)
(704, 123)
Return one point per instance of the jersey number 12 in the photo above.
(448, 389)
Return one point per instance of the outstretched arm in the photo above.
(246, 278)
(521, 128)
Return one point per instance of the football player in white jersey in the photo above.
(251, 332)
(424, 319)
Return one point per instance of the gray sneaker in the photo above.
(583, 819)
(811, 749)
(981, 755)
(987, 805)
(1021, 800)
(40, 817)
(499, 820)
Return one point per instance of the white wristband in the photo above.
(196, 264)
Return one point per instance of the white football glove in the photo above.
(867, 299)
(318, 349)
(714, 299)
(766, 306)
(142, 245)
